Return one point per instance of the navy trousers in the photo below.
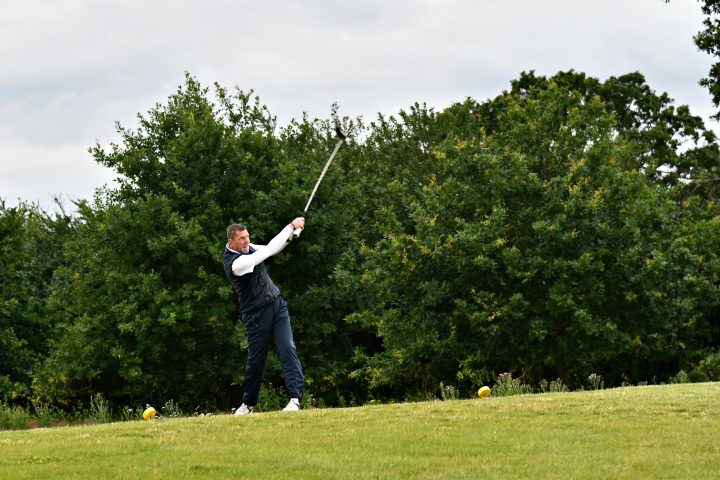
(262, 325)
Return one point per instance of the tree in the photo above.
(670, 145)
(538, 244)
(30, 250)
(708, 41)
(146, 312)
(707, 175)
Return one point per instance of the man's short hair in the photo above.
(235, 227)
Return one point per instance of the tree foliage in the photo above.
(29, 253)
(708, 40)
(544, 242)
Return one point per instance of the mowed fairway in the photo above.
(670, 431)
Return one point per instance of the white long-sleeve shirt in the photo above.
(245, 264)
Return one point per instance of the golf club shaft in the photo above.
(322, 174)
(297, 231)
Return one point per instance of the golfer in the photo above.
(264, 312)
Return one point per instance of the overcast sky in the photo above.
(72, 68)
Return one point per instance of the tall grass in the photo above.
(505, 386)
(13, 418)
(100, 409)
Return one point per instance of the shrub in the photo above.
(171, 409)
(271, 398)
(448, 392)
(100, 409)
(553, 386)
(13, 418)
(680, 377)
(45, 415)
(708, 369)
(595, 382)
(505, 386)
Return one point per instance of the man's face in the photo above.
(240, 241)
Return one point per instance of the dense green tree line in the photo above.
(549, 241)
(563, 228)
(30, 251)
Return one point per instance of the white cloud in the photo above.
(38, 173)
(72, 68)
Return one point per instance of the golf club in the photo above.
(341, 138)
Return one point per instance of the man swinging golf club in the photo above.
(264, 311)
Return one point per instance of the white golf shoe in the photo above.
(292, 406)
(243, 410)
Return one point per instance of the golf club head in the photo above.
(340, 134)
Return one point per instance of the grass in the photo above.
(668, 431)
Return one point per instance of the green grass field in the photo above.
(669, 431)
